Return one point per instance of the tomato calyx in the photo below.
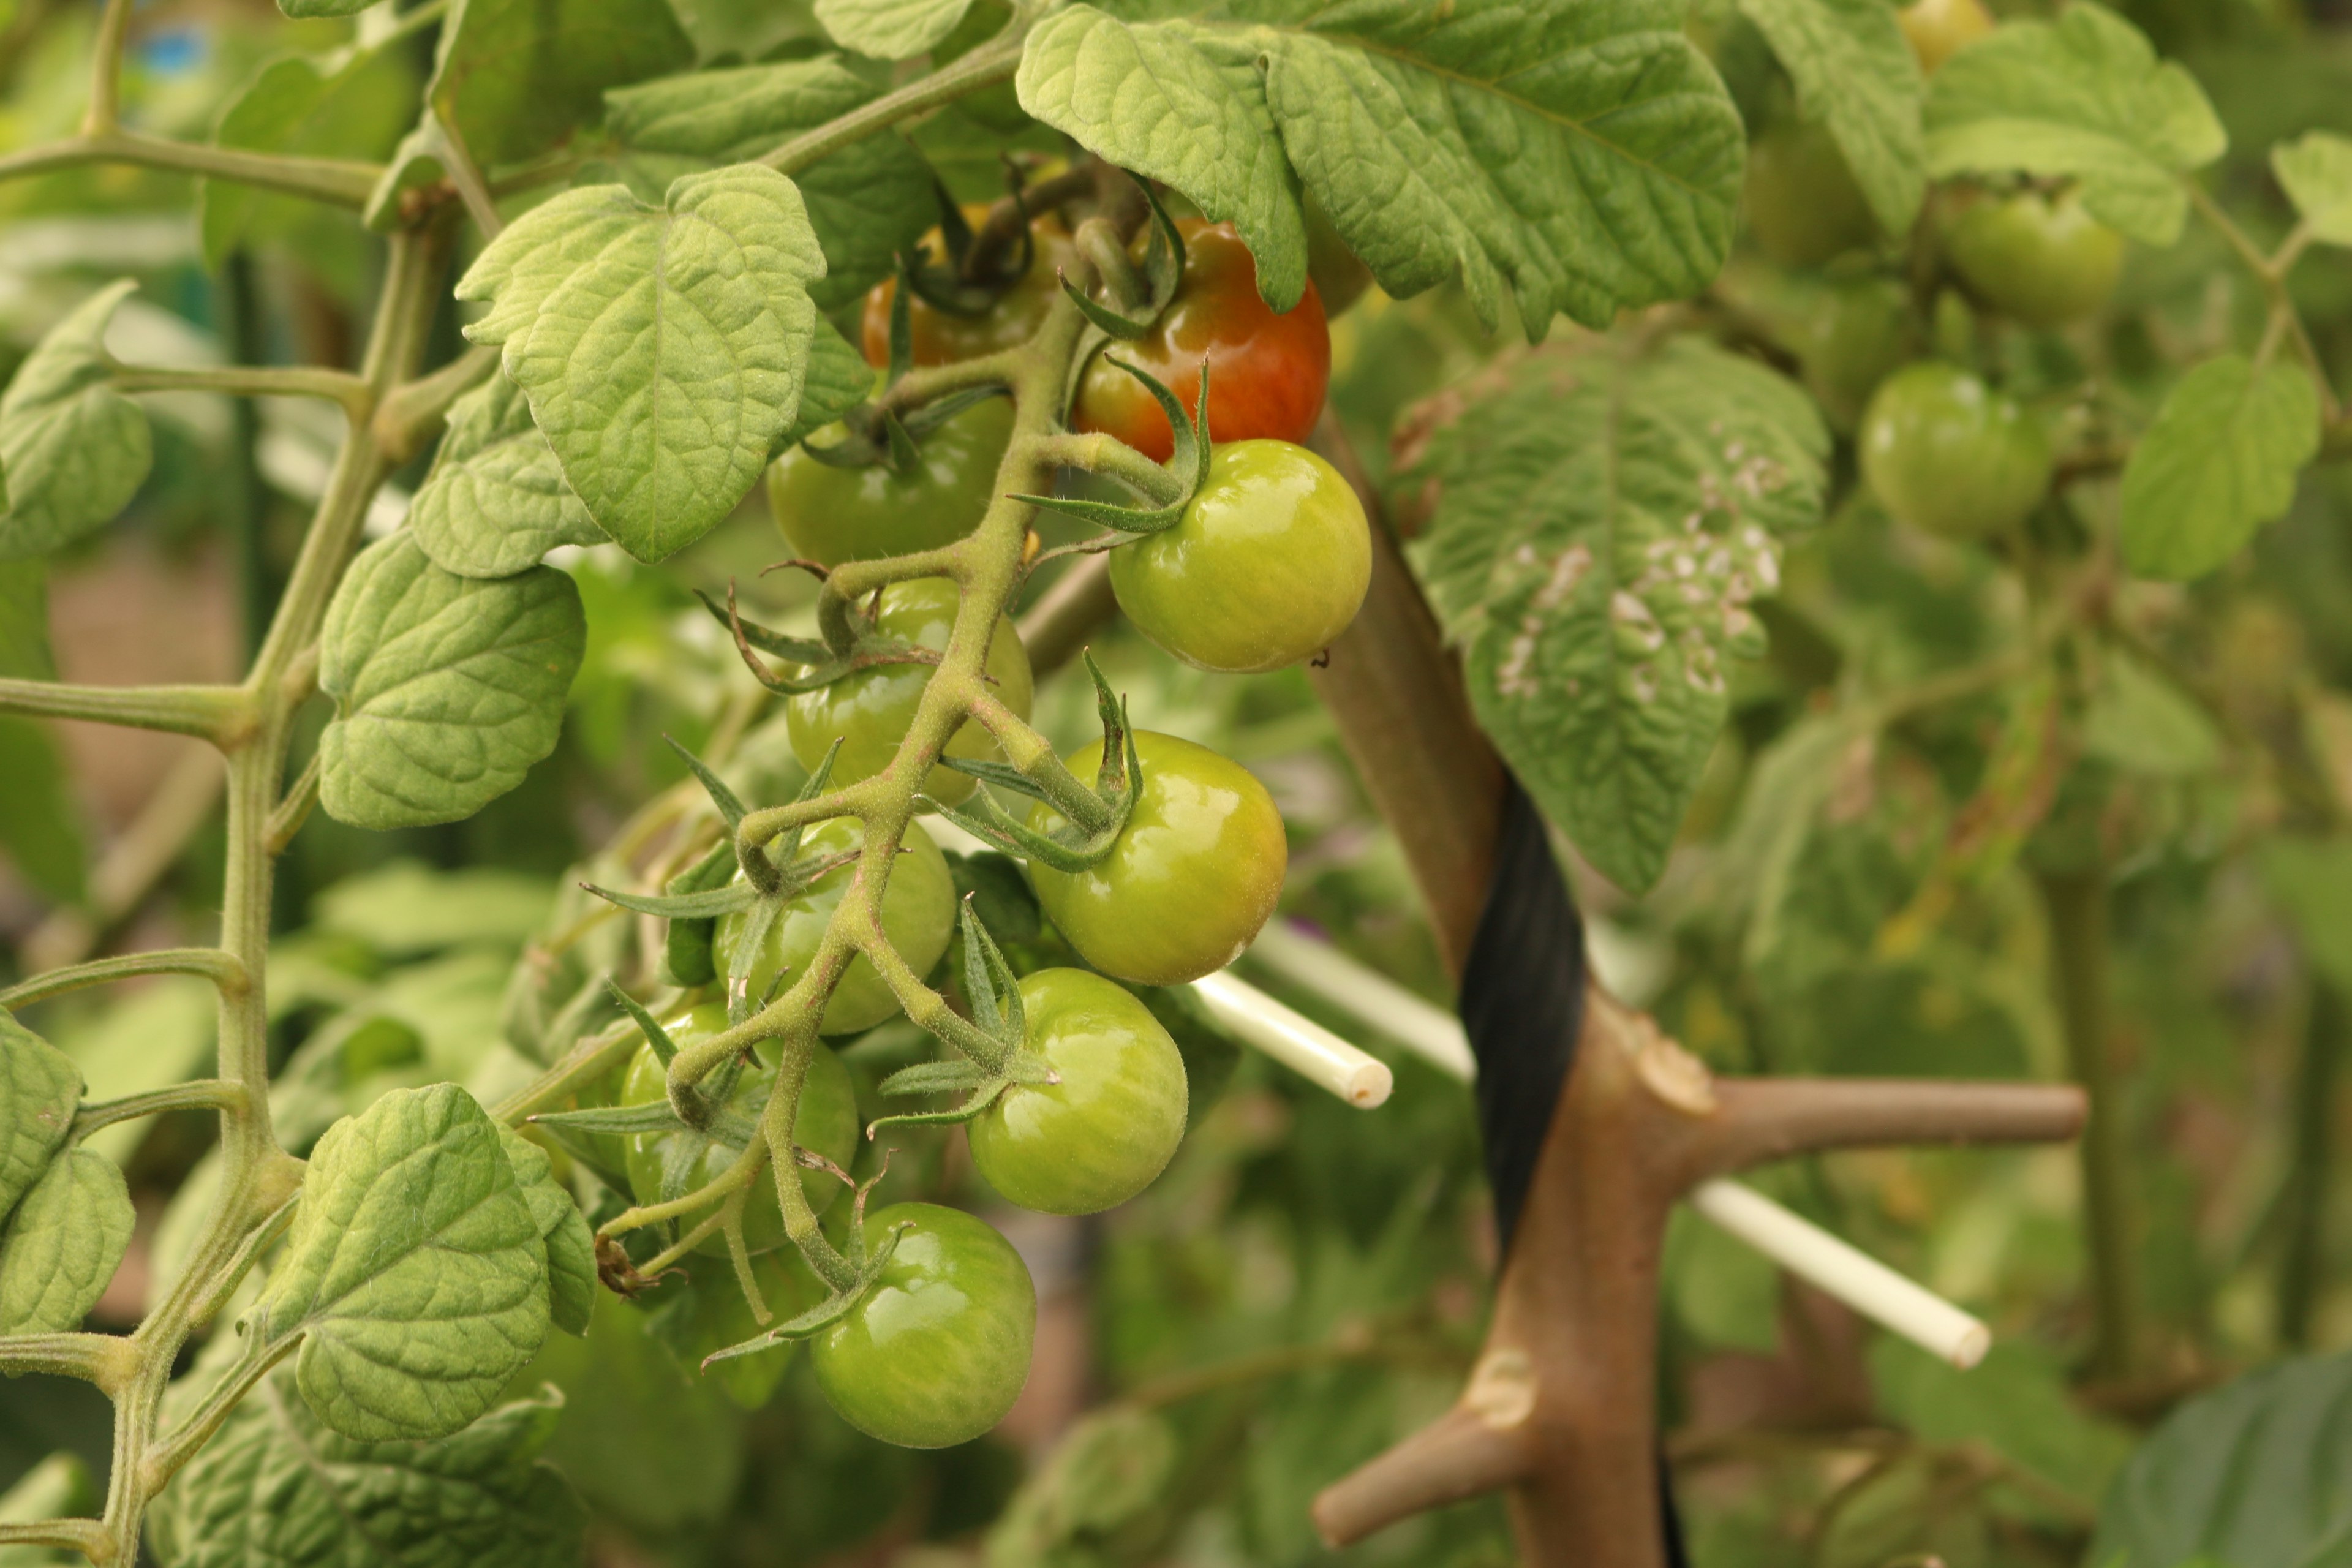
(1172, 484)
(994, 1042)
(818, 663)
(1141, 298)
(866, 1264)
(1096, 814)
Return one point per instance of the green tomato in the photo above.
(665, 1165)
(1267, 565)
(1193, 878)
(1939, 29)
(1947, 454)
(711, 1313)
(917, 913)
(2039, 261)
(939, 1350)
(832, 515)
(869, 711)
(1110, 1127)
(1803, 206)
(1860, 335)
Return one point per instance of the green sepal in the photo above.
(821, 665)
(982, 1098)
(990, 984)
(1188, 459)
(1119, 780)
(664, 1048)
(708, 904)
(655, 1116)
(922, 422)
(1164, 269)
(730, 808)
(934, 1077)
(904, 459)
(902, 299)
(687, 946)
(799, 650)
(1125, 328)
(821, 1316)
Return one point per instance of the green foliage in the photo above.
(416, 1274)
(280, 1485)
(39, 1089)
(62, 1244)
(352, 104)
(513, 77)
(663, 348)
(73, 450)
(446, 689)
(1424, 142)
(2084, 96)
(1600, 530)
(496, 499)
(2315, 172)
(2219, 461)
(889, 29)
(1855, 74)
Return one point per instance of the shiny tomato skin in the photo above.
(918, 914)
(830, 515)
(1110, 1127)
(1267, 372)
(1195, 875)
(826, 1123)
(1267, 565)
(1803, 206)
(870, 710)
(2036, 260)
(936, 337)
(1939, 29)
(1947, 454)
(1858, 335)
(939, 1350)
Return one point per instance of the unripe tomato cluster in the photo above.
(1266, 565)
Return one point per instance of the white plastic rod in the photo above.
(1426, 1029)
(1860, 1281)
(1298, 1043)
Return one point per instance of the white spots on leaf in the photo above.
(1517, 676)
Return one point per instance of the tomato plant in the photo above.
(1782, 556)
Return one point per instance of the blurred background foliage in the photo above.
(1308, 1282)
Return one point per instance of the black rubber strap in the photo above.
(1523, 1006)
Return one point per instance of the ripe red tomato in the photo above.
(939, 1350)
(1110, 1127)
(1268, 564)
(937, 337)
(1267, 374)
(1193, 878)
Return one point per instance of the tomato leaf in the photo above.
(352, 104)
(867, 202)
(2082, 95)
(571, 1248)
(516, 77)
(1601, 522)
(663, 348)
(448, 688)
(63, 1244)
(278, 1486)
(889, 29)
(74, 450)
(2250, 1475)
(1588, 158)
(1856, 73)
(496, 499)
(2219, 461)
(40, 1088)
(416, 1272)
(2316, 174)
(838, 380)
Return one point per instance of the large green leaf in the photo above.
(889, 29)
(839, 379)
(663, 348)
(2219, 461)
(446, 689)
(2316, 174)
(1602, 519)
(1856, 73)
(59, 1487)
(516, 77)
(40, 1088)
(74, 450)
(353, 104)
(2252, 1474)
(570, 1246)
(867, 202)
(1585, 155)
(405, 909)
(63, 1244)
(414, 1272)
(496, 500)
(2082, 95)
(277, 1487)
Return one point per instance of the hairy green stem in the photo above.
(338, 181)
(992, 62)
(220, 715)
(105, 108)
(1104, 454)
(222, 968)
(99, 1359)
(338, 386)
(2076, 905)
(197, 1094)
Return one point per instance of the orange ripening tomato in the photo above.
(937, 337)
(1267, 372)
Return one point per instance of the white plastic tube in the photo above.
(1298, 1043)
(1860, 1281)
(1789, 1239)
